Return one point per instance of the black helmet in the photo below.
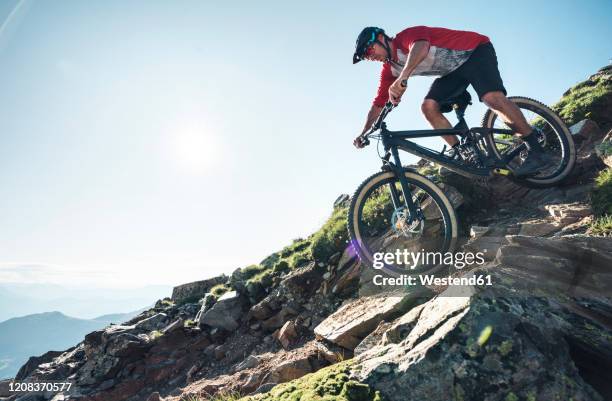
(365, 39)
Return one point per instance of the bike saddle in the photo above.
(461, 98)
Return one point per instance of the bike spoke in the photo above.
(550, 140)
(384, 228)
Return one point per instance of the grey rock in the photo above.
(154, 397)
(155, 322)
(290, 369)
(4, 387)
(195, 290)
(528, 332)
(539, 228)
(604, 149)
(250, 362)
(225, 314)
(287, 334)
(585, 128)
(174, 326)
(260, 311)
(342, 200)
(206, 303)
(431, 211)
(478, 231)
(568, 213)
(354, 321)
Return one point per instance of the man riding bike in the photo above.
(459, 58)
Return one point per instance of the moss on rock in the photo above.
(329, 384)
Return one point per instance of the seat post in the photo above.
(460, 112)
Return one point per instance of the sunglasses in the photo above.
(369, 51)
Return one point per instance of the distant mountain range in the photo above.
(33, 335)
(81, 302)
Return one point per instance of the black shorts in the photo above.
(480, 70)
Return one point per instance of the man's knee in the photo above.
(430, 108)
(495, 100)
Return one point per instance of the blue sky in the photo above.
(157, 142)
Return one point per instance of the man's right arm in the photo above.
(372, 116)
(382, 96)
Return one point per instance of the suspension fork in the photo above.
(396, 167)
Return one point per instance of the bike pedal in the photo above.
(502, 171)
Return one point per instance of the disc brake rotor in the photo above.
(399, 222)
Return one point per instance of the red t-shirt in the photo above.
(448, 49)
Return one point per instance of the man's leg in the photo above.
(441, 89)
(514, 118)
(482, 72)
(431, 110)
(508, 111)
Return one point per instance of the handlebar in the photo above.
(363, 138)
(381, 117)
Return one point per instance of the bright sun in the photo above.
(195, 150)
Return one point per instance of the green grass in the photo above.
(299, 259)
(601, 203)
(252, 270)
(167, 303)
(297, 246)
(601, 226)
(328, 384)
(231, 396)
(588, 99)
(264, 278)
(605, 148)
(431, 170)
(155, 334)
(601, 198)
(332, 237)
(281, 267)
(219, 290)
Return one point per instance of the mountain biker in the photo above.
(459, 58)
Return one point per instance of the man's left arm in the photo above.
(417, 54)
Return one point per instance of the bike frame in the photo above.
(394, 140)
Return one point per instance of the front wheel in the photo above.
(387, 237)
(553, 134)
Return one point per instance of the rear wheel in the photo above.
(377, 227)
(553, 135)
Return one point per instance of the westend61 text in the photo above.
(430, 279)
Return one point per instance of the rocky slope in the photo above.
(541, 332)
(24, 336)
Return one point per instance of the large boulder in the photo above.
(225, 313)
(287, 334)
(587, 135)
(350, 324)
(541, 331)
(155, 322)
(192, 292)
(604, 149)
(33, 363)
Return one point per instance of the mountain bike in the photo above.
(402, 213)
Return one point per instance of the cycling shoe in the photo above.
(533, 164)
